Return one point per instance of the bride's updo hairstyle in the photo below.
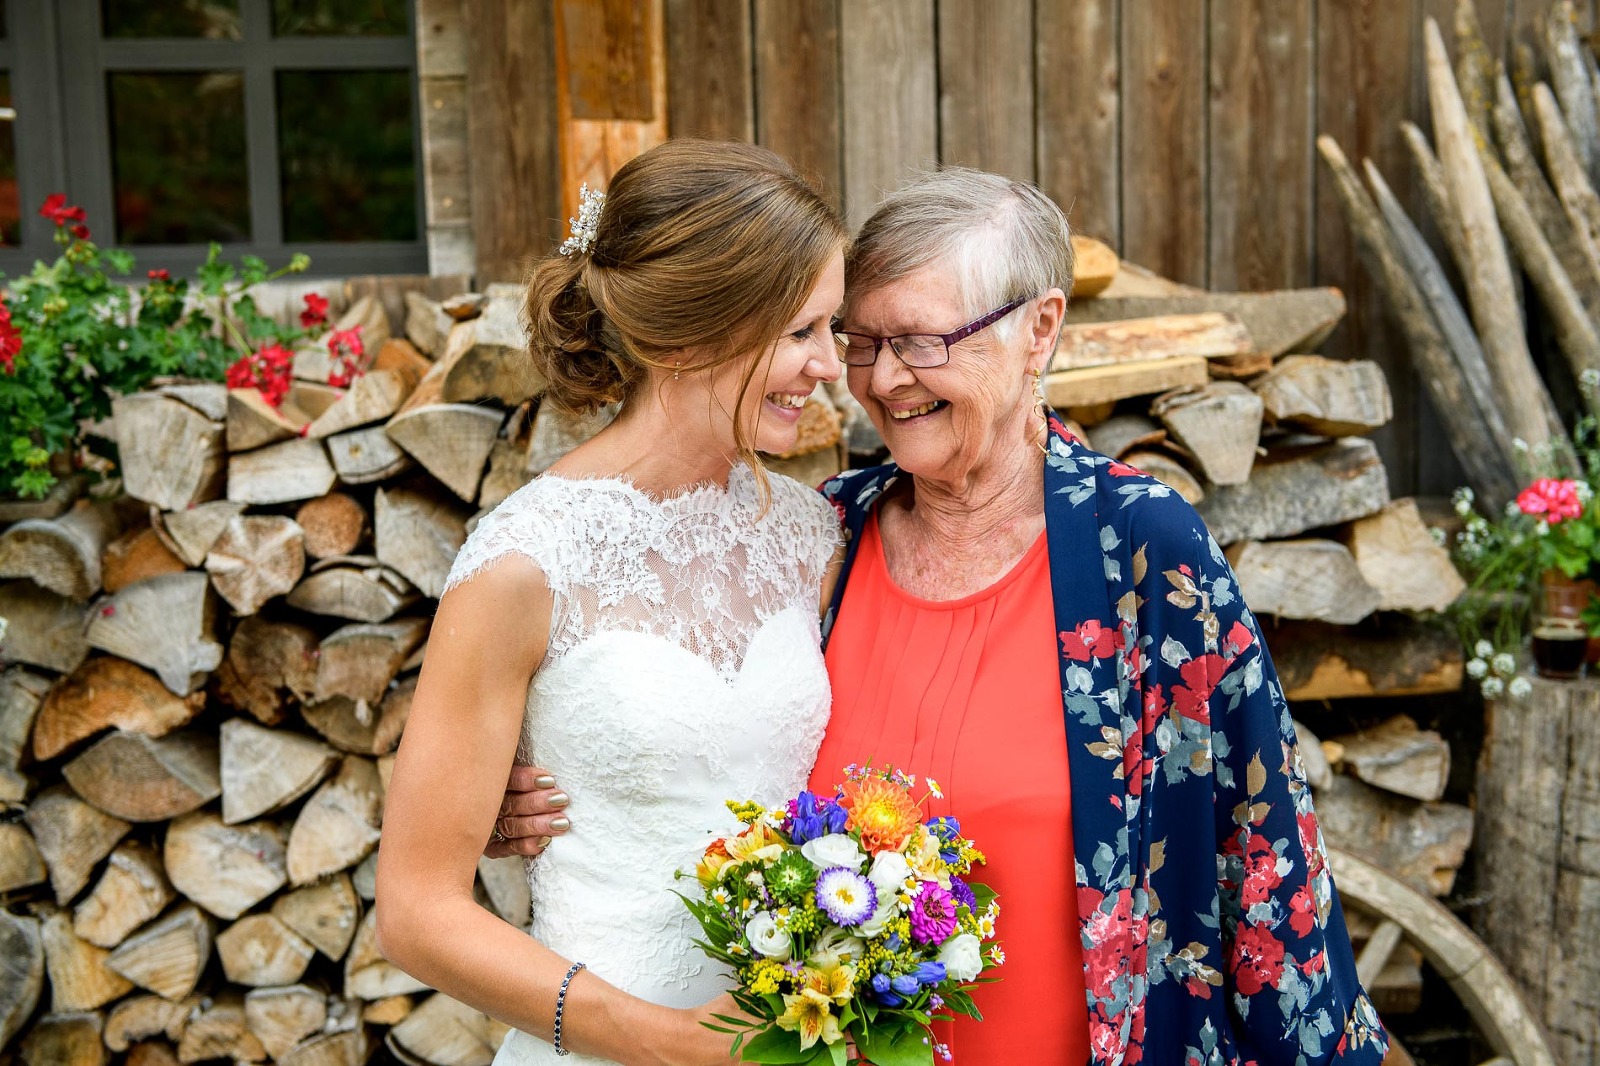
(702, 247)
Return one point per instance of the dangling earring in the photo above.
(675, 370)
(1043, 407)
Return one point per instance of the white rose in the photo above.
(835, 849)
(887, 908)
(962, 956)
(889, 872)
(835, 947)
(767, 939)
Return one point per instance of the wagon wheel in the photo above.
(1471, 969)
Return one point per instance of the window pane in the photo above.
(178, 157)
(346, 155)
(353, 18)
(10, 200)
(216, 19)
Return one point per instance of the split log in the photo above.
(1398, 557)
(191, 533)
(1311, 578)
(1219, 424)
(256, 558)
(486, 357)
(1207, 335)
(464, 305)
(79, 977)
(142, 1017)
(427, 324)
(219, 1031)
(260, 951)
(227, 869)
(72, 836)
(56, 501)
(132, 891)
(255, 423)
(70, 1038)
(1436, 192)
(134, 556)
(170, 454)
(812, 469)
(1398, 757)
(347, 1048)
(372, 397)
(418, 533)
(210, 398)
(400, 355)
(164, 623)
(1085, 386)
(1575, 331)
(22, 693)
(367, 314)
(1329, 397)
(1293, 490)
(505, 885)
(42, 629)
(266, 769)
(1291, 320)
(334, 525)
(1386, 656)
(1567, 171)
(283, 1017)
(1517, 149)
(371, 593)
(390, 1011)
(1094, 267)
(1527, 407)
(144, 779)
(507, 472)
(1539, 815)
(1239, 367)
(21, 972)
(1420, 843)
(358, 661)
(448, 1032)
(307, 400)
(21, 865)
(819, 428)
(268, 665)
(353, 726)
(556, 432)
(61, 554)
(451, 441)
(366, 455)
(325, 914)
(367, 974)
(280, 473)
(152, 1053)
(168, 956)
(1120, 434)
(338, 826)
(108, 693)
(1564, 51)
(1474, 68)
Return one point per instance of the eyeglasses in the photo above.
(919, 350)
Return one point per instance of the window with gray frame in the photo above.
(271, 126)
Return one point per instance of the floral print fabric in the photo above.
(1212, 935)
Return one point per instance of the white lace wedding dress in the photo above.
(683, 670)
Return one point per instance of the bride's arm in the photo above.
(488, 638)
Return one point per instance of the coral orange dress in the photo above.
(968, 692)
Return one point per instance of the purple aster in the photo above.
(962, 893)
(933, 914)
(846, 897)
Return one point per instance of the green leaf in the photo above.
(901, 1045)
(774, 1045)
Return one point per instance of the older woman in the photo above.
(1056, 639)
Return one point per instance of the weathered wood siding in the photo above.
(1181, 131)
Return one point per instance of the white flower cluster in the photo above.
(1496, 672)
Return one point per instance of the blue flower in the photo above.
(962, 893)
(834, 817)
(905, 985)
(881, 991)
(929, 973)
(948, 832)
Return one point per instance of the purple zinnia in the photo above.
(963, 894)
(933, 914)
(846, 897)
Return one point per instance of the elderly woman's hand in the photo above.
(532, 814)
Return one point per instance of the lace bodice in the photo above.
(683, 670)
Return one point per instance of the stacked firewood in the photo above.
(209, 674)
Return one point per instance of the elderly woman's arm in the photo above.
(487, 640)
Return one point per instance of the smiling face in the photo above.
(769, 406)
(945, 423)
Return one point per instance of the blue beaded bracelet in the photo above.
(561, 1006)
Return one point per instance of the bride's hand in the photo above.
(700, 1046)
(532, 813)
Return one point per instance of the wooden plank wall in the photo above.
(1181, 131)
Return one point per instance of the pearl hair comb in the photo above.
(586, 224)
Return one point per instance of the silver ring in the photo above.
(497, 836)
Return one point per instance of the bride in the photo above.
(641, 620)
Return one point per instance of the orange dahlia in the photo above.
(884, 812)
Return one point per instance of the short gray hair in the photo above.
(1003, 238)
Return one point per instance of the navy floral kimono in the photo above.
(1211, 931)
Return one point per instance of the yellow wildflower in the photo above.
(811, 1015)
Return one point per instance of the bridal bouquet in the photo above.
(846, 917)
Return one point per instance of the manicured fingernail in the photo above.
(559, 799)
(544, 781)
(543, 842)
(560, 824)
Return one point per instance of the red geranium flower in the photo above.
(56, 210)
(346, 348)
(1553, 499)
(160, 275)
(10, 340)
(81, 232)
(316, 312)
